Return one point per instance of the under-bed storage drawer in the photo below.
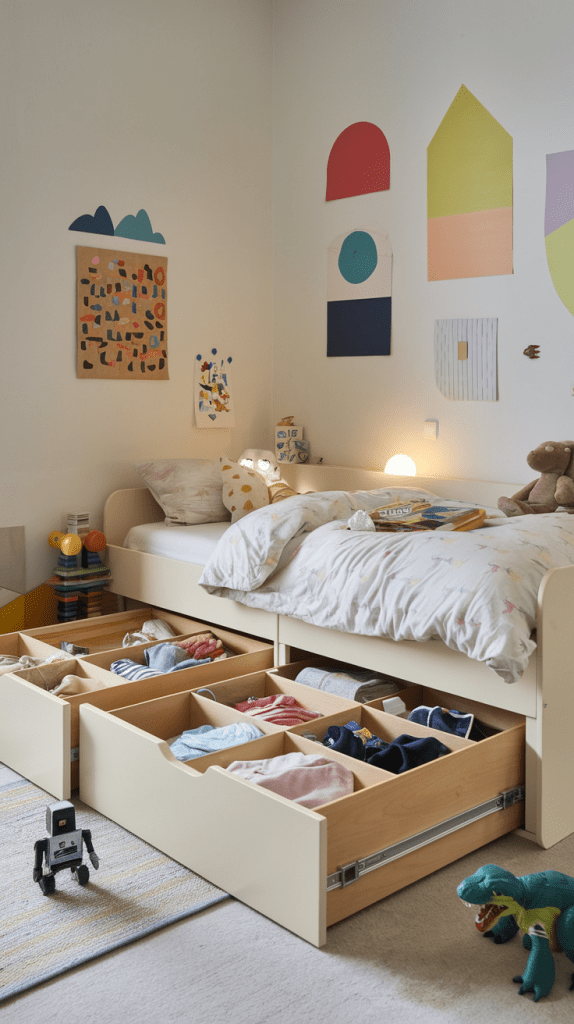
(49, 750)
(39, 730)
(304, 868)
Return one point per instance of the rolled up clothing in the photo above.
(407, 752)
(152, 629)
(360, 685)
(72, 684)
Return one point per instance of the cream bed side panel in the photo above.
(430, 663)
(34, 730)
(167, 583)
(556, 718)
(268, 852)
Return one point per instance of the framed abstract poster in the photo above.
(213, 391)
(466, 360)
(121, 315)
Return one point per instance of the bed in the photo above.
(541, 690)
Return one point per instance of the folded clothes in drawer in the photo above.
(212, 645)
(342, 680)
(307, 779)
(112, 632)
(216, 815)
(48, 696)
(205, 739)
(276, 698)
(172, 656)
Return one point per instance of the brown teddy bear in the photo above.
(555, 487)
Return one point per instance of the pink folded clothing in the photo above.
(308, 779)
(281, 709)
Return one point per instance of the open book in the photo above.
(408, 516)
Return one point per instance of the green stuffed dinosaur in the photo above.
(540, 905)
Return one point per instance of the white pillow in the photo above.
(243, 489)
(188, 490)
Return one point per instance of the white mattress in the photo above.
(185, 543)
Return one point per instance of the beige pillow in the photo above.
(188, 490)
(243, 489)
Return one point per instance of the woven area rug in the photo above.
(135, 891)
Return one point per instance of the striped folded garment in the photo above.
(280, 708)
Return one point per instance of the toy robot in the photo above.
(63, 848)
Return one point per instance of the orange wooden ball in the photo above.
(71, 544)
(95, 540)
(55, 538)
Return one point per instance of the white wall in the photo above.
(131, 104)
(399, 64)
(168, 107)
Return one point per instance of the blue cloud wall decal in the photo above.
(138, 227)
(98, 224)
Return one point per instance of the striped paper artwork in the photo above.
(359, 280)
(469, 194)
(465, 359)
(559, 224)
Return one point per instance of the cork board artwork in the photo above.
(121, 315)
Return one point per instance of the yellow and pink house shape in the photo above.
(469, 193)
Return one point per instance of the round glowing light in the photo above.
(401, 465)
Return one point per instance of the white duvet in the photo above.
(477, 591)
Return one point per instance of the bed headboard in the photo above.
(313, 477)
(126, 508)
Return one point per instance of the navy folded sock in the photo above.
(408, 752)
(343, 739)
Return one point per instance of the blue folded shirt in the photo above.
(206, 739)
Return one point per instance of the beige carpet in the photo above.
(135, 891)
(414, 957)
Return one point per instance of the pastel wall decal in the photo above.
(359, 162)
(98, 224)
(128, 227)
(213, 395)
(138, 227)
(469, 194)
(113, 339)
(559, 224)
(359, 279)
(465, 359)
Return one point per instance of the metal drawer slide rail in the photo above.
(351, 872)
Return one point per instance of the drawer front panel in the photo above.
(162, 801)
(266, 851)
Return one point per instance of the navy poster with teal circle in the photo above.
(359, 294)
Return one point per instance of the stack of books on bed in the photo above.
(412, 516)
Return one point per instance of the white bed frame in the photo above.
(544, 695)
